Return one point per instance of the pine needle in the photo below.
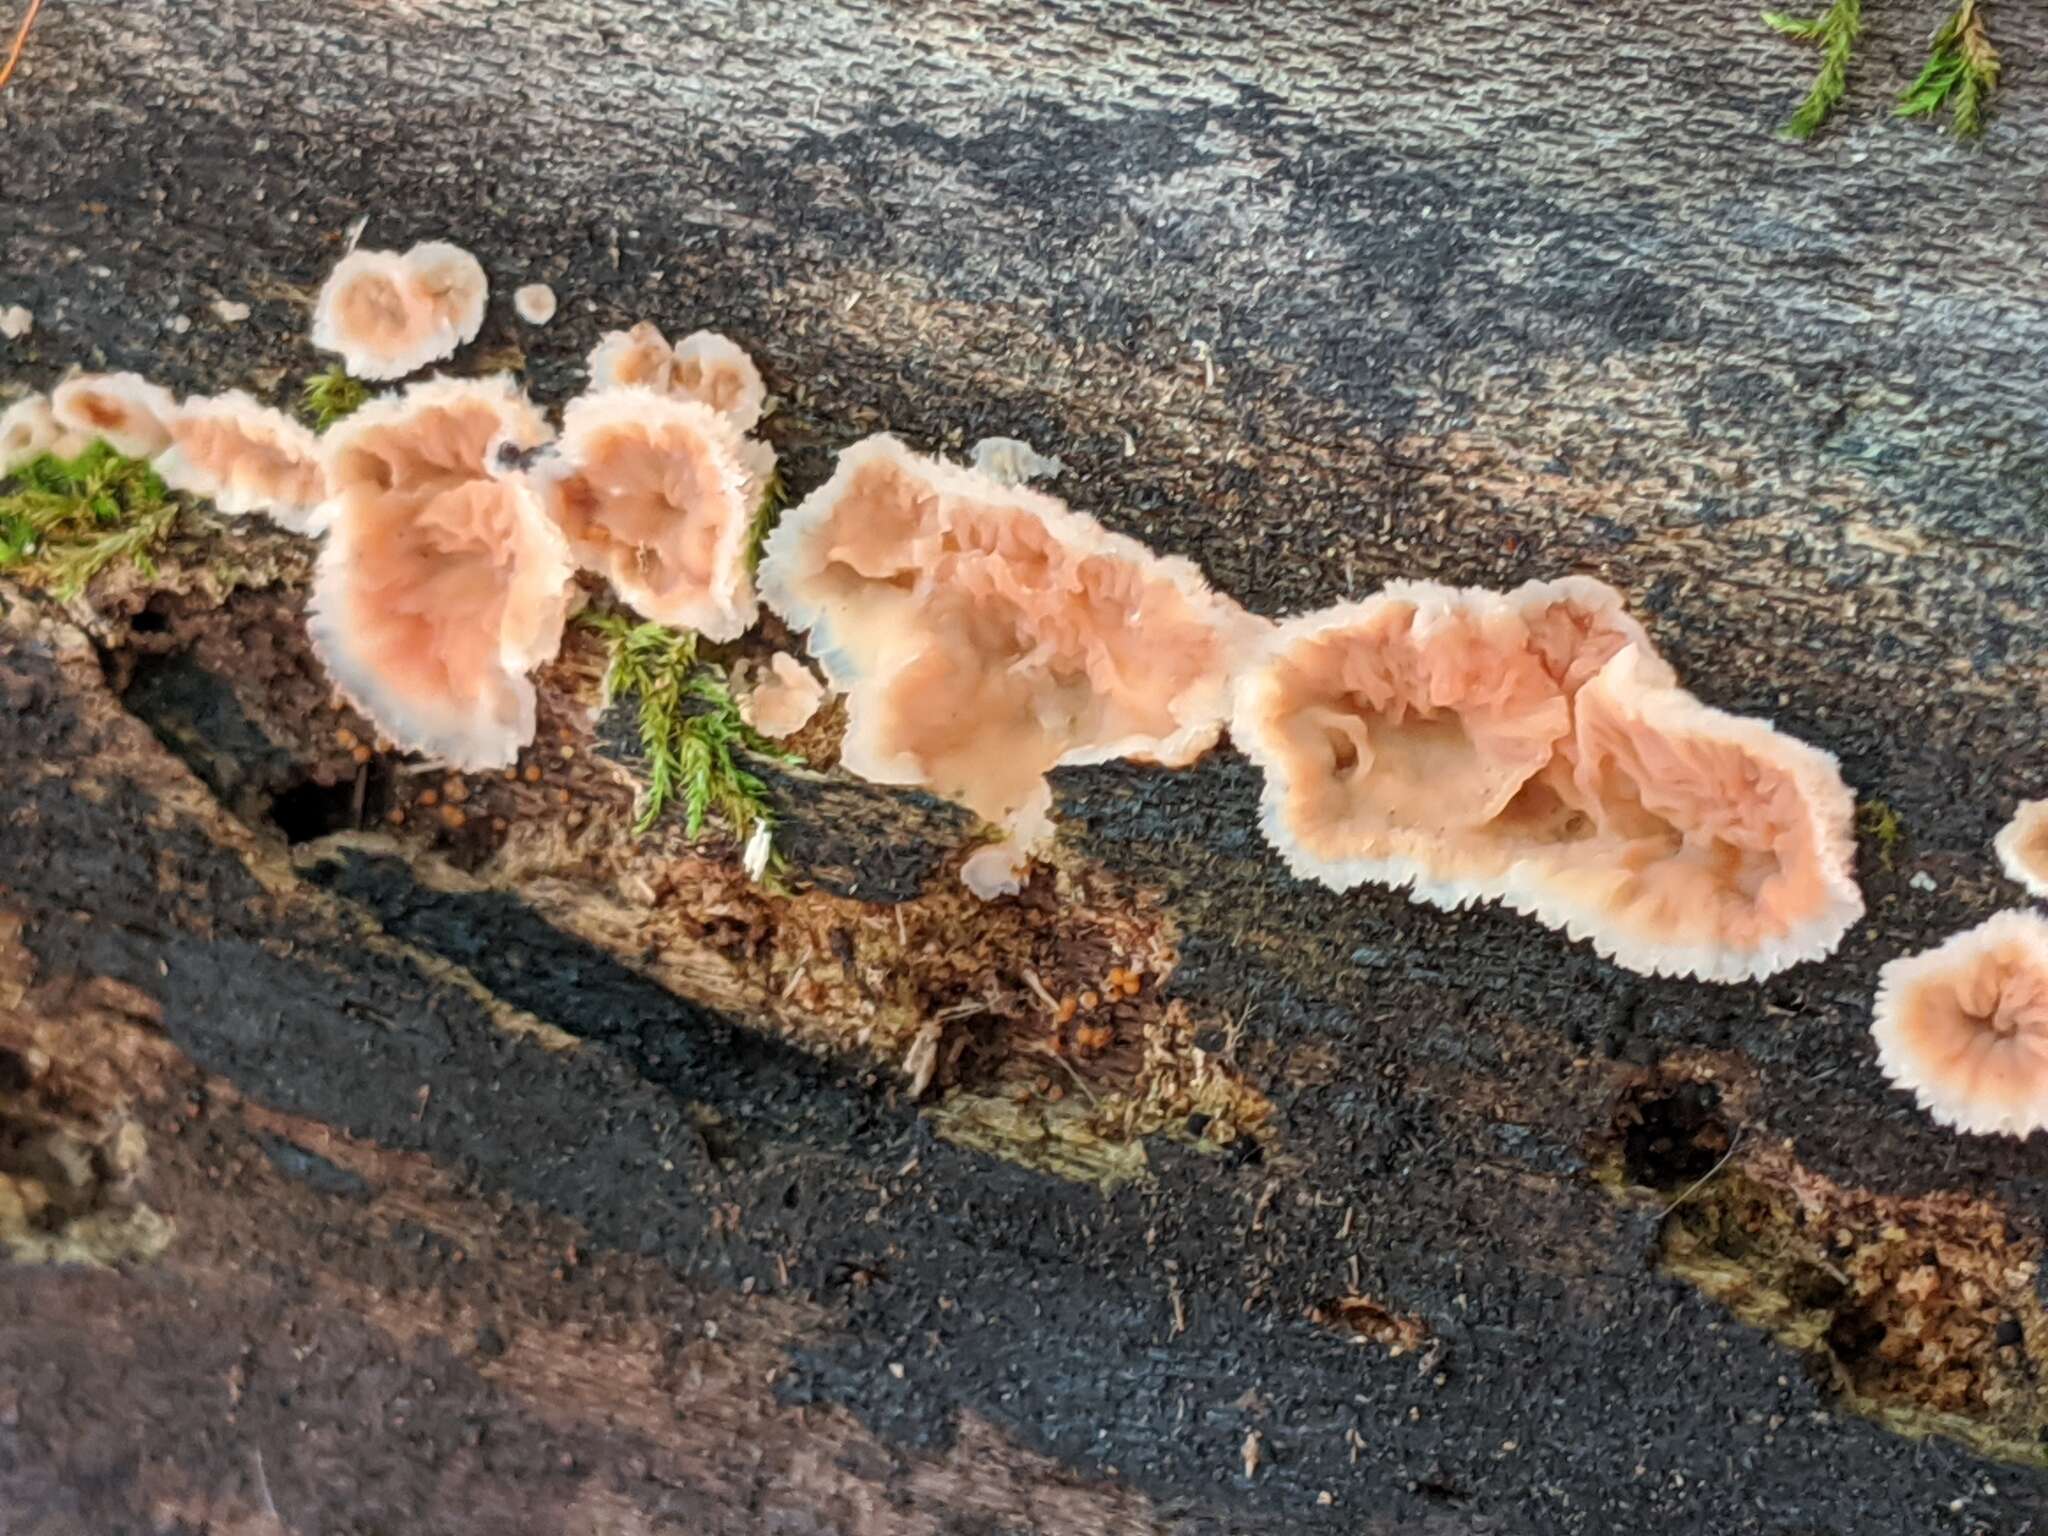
(1835, 33)
(326, 398)
(1961, 68)
(66, 520)
(690, 731)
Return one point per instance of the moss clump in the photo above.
(1961, 71)
(774, 497)
(63, 521)
(1881, 824)
(1834, 33)
(326, 398)
(690, 731)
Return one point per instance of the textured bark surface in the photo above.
(520, 1177)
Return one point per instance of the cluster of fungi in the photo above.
(1528, 747)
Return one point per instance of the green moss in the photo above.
(1834, 33)
(1961, 72)
(326, 398)
(690, 730)
(1881, 824)
(63, 521)
(774, 497)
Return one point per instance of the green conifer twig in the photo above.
(1961, 67)
(1835, 32)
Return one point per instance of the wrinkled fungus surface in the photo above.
(985, 634)
(1964, 1026)
(2022, 847)
(245, 457)
(389, 314)
(124, 409)
(658, 494)
(442, 583)
(704, 366)
(1531, 747)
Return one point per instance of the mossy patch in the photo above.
(64, 521)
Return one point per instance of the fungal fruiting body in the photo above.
(985, 634)
(1964, 1026)
(2022, 847)
(245, 457)
(28, 430)
(534, 303)
(389, 315)
(442, 582)
(128, 412)
(782, 702)
(658, 495)
(1531, 747)
(1719, 847)
(704, 366)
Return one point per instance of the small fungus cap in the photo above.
(535, 303)
(128, 412)
(442, 582)
(1964, 1026)
(2022, 847)
(245, 457)
(389, 315)
(655, 493)
(28, 430)
(783, 702)
(704, 366)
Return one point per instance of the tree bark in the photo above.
(365, 1172)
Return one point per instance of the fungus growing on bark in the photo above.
(704, 366)
(245, 457)
(985, 634)
(658, 495)
(389, 315)
(1718, 847)
(28, 430)
(2022, 847)
(783, 702)
(1964, 1026)
(534, 303)
(126, 410)
(442, 583)
(1531, 746)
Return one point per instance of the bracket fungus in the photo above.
(1531, 747)
(2022, 847)
(658, 495)
(245, 457)
(1964, 1026)
(704, 366)
(985, 634)
(782, 702)
(442, 582)
(131, 414)
(389, 315)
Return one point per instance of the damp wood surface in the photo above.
(496, 1172)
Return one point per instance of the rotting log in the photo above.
(525, 1177)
